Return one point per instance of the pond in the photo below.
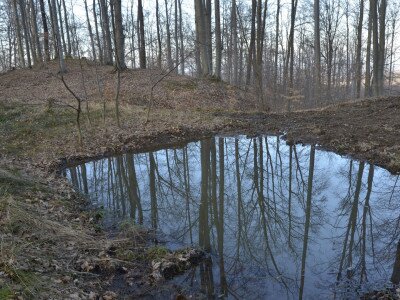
(279, 220)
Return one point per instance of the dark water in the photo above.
(278, 220)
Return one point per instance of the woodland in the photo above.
(175, 149)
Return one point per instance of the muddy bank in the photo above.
(366, 130)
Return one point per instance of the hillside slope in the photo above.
(41, 84)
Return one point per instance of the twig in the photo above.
(78, 110)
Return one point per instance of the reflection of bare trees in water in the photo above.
(263, 208)
(368, 241)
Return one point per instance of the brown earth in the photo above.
(50, 246)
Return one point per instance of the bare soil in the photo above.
(51, 247)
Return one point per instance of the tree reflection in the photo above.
(271, 229)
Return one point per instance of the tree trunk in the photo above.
(201, 37)
(208, 12)
(358, 50)
(278, 7)
(176, 36)
(169, 54)
(58, 37)
(375, 44)
(107, 34)
(45, 31)
(142, 44)
(259, 52)
(119, 36)
(39, 56)
(317, 54)
(288, 71)
(18, 33)
(251, 55)
(234, 42)
(218, 41)
(367, 92)
(382, 38)
(182, 53)
(158, 35)
(60, 24)
(69, 48)
(26, 32)
(90, 31)
(97, 33)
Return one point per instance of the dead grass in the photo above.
(47, 249)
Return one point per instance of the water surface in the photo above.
(279, 220)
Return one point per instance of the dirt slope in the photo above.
(41, 84)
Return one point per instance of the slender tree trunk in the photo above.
(169, 51)
(259, 47)
(176, 31)
(218, 41)
(142, 44)
(182, 52)
(99, 48)
(208, 13)
(69, 48)
(90, 31)
(234, 42)
(201, 37)
(317, 53)
(26, 32)
(375, 43)
(60, 24)
(119, 36)
(358, 50)
(278, 7)
(392, 52)
(107, 34)
(367, 92)
(251, 55)
(21, 53)
(133, 51)
(45, 31)
(382, 44)
(158, 35)
(288, 71)
(60, 49)
(53, 30)
(35, 32)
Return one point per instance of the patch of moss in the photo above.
(6, 293)
(156, 252)
(28, 280)
(128, 255)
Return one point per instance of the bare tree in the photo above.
(119, 36)
(317, 52)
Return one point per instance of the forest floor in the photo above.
(51, 247)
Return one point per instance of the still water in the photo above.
(279, 220)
